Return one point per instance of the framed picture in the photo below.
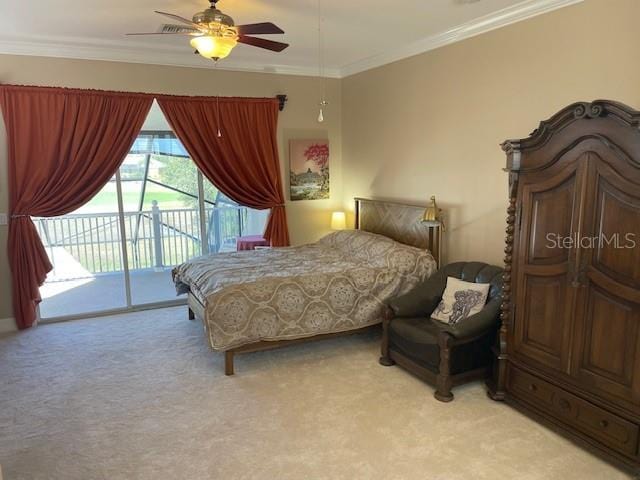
(309, 169)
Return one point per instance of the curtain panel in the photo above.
(64, 146)
(233, 142)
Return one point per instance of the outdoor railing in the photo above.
(81, 245)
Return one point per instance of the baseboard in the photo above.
(8, 325)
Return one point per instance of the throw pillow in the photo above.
(460, 300)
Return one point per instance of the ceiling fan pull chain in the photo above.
(218, 114)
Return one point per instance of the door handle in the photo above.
(572, 271)
(578, 273)
(581, 274)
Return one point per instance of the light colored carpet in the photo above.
(140, 396)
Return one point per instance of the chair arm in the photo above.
(479, 323)
(417, 303)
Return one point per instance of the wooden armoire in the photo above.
(568, 351)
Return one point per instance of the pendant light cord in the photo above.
(218, 116)
(219, 133)
(321, 66)
(320, 48)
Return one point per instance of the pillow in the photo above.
(460, 300)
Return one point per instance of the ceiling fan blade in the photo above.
(170, 28)
(263, 43)
(160, 33)
(181, 19)
(265, 28)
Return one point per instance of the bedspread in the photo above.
(340, 283)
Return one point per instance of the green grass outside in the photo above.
(106, 200)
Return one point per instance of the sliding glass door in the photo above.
(117, 251)
(85, 248)
(163, 225)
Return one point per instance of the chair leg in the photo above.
(228, 363)
(443, 389)
(192, 316)
(385, 360)
(443, 382)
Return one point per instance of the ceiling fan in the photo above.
(215, 34)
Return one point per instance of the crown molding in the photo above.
(8, 325)
(486, 23)
(117, 52)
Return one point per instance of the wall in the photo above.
(432, 124)
(307, 220)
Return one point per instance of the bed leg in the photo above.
(228, 363)
(192, 316)
(384, 346)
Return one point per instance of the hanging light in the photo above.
(323, 104)
(214, 47)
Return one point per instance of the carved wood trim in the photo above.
(568, 115)
(498, 384)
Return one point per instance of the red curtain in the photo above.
(242, 160)
(64, 146)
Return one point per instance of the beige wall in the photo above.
(308, 220)
(431, 124)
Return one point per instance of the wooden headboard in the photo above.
(398, 221)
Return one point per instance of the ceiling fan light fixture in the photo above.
(214, 47)
(215, 34)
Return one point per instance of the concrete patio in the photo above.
(105, 292)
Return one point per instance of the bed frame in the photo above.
(395, 220)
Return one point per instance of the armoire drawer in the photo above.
(603, 426)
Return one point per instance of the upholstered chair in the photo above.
(443, 354)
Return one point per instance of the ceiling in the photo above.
(359, 34)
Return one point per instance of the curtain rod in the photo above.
(282, 98)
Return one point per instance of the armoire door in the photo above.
(549, 218)
(606, 357)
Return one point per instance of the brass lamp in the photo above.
(433, 219)
(433, 215)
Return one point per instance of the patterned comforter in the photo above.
(340, 283)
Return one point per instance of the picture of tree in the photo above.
(309, 169)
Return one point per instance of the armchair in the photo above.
(446, 355)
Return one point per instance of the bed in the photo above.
(263, 299)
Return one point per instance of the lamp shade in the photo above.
(432, 215)
(338, 221)
(216, 47)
